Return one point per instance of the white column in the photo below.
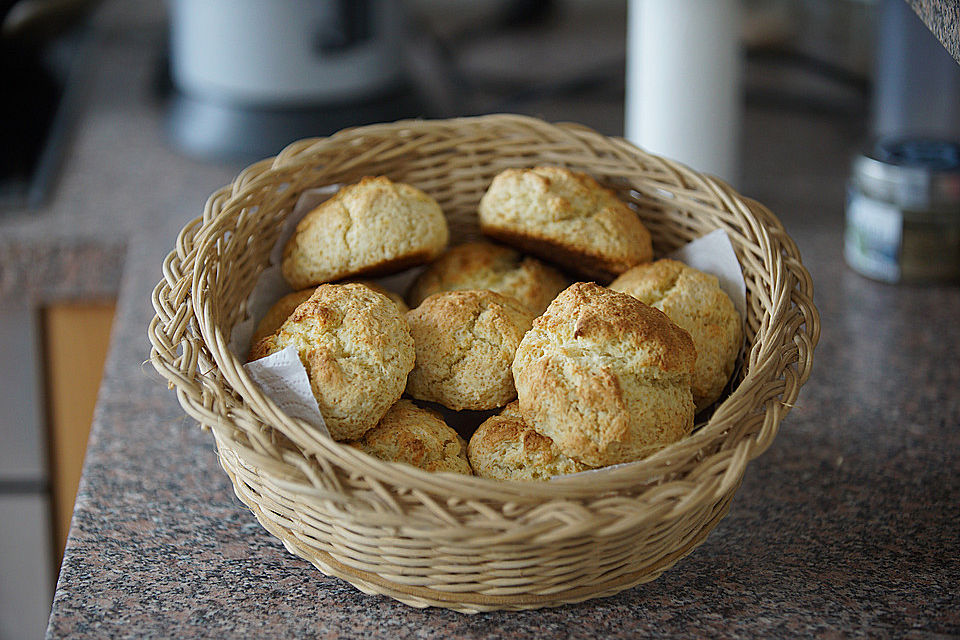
(684, 96)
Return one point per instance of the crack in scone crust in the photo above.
(465, 343)
(695, 302)
(416, 436)
(357, 350)
(484, 265)
(604, 376)
(504, 447)
(556, 213)
(365, 228)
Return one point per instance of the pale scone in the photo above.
(416, 436)
(483, 265)
(505, 448)
(567, 218)
(357, 350)
(373, 227)
(395, 298)
(277, 314)
(465, 342)
(282, 308)
(604, 376)
(694, 301)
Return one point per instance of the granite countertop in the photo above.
(846, 526)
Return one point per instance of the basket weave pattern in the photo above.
(468, 543)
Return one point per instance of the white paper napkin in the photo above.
(283, 378)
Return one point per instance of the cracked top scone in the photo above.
(604, 376)
(695, 302)
(357, 350)
(373, 227)
(565, 217)
(465, 342)
(416, 436)
(282, 308)
(505, 448)
(483, 265)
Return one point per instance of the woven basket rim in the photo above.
(412, 477)
(462, 542)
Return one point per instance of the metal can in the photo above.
(903, 211)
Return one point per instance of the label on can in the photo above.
(873, 237)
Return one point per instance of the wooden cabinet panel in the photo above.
(76, 338)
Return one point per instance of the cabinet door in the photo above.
(26, 572)
(22, 456)
(76, 337)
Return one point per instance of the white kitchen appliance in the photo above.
(249, 76)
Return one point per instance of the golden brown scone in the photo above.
(465, 341)
(505, 448)
(282, 308)
(396, 298)
(567, 218)
(278, 314)
(483, 265)
(695, 302)
(373, 227)
(410, 434)
(357, 350)
(604, 376)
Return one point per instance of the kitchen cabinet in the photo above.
(26, 567)
(76, 336)
(51, 365)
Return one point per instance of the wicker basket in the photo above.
(446, 540)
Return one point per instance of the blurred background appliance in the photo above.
(917, 86)
(683, 82)
(902, 220)
(249, 76)
(40, 46)
(903, 211)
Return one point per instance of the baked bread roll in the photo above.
(565, 217)
(465, 342)
(282, 308)
(357, 350)
(483, 265)
(505, 448)
(277, 314)
(695, 302)
(416, 436)
(373, 227)
(604, 376)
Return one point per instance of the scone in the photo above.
(483, 265)
(465, 341)
(604, 376)
(410, 434)
(373, 227)
(395, 298)
(282, 308)
(505, 448)
(567, 218)
(694, 301)
(357, 350)
(277, 314)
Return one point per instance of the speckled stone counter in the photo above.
(847, 526)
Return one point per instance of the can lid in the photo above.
(917, 173)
